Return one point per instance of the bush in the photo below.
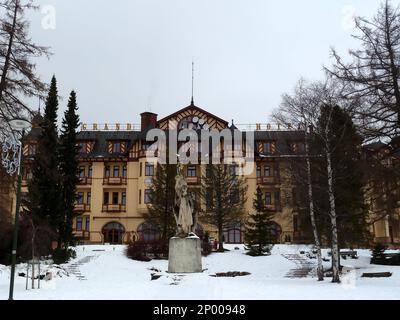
(379, 257)
(62, 255)
(256, 251)
(147, 250)
(206, 246)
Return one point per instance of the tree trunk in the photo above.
(335, 245)
(220, 239)
(9, 52)
(320, 268)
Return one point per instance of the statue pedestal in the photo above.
(184, 255)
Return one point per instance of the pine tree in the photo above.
(225, 195)
(44, 188)
(68, 160)
(161, 210)
(259, 237)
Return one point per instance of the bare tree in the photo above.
(18, 79)
(304, 109)
(372, 77)
(298, 110)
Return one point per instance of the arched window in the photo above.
(147, 232)
(113, 233)
(234, 234)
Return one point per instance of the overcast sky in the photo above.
(124, 57)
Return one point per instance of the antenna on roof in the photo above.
(192, 103)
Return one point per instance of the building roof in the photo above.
(101, 138)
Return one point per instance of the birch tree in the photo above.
(301, 111)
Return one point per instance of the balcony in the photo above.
(83, 234)
(268, 180)
(115, 181)
(82, 207)
(85, 180)
(114, 208)
(193, 180)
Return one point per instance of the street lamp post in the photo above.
(12, 154)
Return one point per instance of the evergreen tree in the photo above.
(161, 210)
(225, 195)
(259, 236)
(68, 160)
(44, 188)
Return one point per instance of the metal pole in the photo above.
(16, 223)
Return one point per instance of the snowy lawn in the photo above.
(109, 274)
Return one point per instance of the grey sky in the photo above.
(128, 56)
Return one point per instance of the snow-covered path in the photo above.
(109, 274)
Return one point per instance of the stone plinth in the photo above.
(184, 255)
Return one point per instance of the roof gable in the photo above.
(213, 121)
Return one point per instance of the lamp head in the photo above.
(20, 124)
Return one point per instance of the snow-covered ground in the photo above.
(109, 274)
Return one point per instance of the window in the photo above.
(149, 169)
(115, 197)
(32, 149)
(116, 148)
(267, 147)
(268, 199)
(140, 196)
(123, 198)
(81, 172)
(140, 170)
(79, 224)
(116, 172)
(124, 172)
(80, 198)
(82, 147)
(87, 223)
(258, 171)
(267, 171)
(191, 171)
(147, 196)
(90, 171)
(234, 234)
(89, 198)
(107, 171)
(106, 198)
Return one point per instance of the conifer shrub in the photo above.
(63, 255)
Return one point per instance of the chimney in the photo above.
(148, 120)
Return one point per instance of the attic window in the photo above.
(85, 146)
(116, 146)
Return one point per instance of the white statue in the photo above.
(185, 220)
